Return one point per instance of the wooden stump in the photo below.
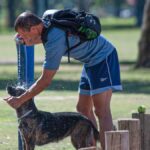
(133, 126)
(117, 140)
(145, 129)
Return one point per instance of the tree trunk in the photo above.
(145, 129)
(11, 12)
(144, 42)
(84, 5)
(133, 126)
(139, 8)
(39, 6)
(34, 4)
(117, 4)
(117, 140)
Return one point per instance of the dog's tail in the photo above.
(95, 131)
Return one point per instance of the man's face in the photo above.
(29, 37)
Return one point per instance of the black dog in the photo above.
(39, 127)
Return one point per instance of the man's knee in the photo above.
(82, 109)
(102, 113)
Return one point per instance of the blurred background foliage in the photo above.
(113, 14)
(10, 9)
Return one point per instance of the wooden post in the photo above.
(145, 129)
(133, 126)
(117, 140)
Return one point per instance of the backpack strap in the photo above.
(68, 46)
(71, 48)
(44, 34)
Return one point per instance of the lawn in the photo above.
(62, 94)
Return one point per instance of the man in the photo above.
(99, 77)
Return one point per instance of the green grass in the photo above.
(117, 22)
(62, 94)
(122, 106)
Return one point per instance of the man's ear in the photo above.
(36, 29)
(32, 28)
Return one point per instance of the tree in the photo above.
(139, 11)
(117, 4)
(144, 42)
(84, 5)
(11, 12)
(39, 6)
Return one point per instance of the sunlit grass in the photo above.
(116, 21)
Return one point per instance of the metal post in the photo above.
(25, 64)
(25, 56)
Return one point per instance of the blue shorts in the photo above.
(101, 77)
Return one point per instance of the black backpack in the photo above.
(86, 26)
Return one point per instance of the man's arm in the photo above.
(43, 82)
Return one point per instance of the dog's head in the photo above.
(25, 107)
(15, 91)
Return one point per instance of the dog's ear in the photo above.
(10, 89)
(15, 90)
(7, 86)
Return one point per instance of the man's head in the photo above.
(29, 28)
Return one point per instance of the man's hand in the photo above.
(14, 102)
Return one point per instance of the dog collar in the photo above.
(24, 115)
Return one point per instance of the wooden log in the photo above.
(145, 129)
(117, 140)
(133, 126)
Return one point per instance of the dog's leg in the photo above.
(29, 146)
(23, 141)
(28, 143)
(24, 144)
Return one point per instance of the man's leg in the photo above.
(102, 110)
(85, 107)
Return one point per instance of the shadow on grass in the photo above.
(136, 87)
(127, 63)
(118, 27)
(40, 63)
(72, 63)
(129, 87)
(5, 82)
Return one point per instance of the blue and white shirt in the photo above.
(90, 53)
